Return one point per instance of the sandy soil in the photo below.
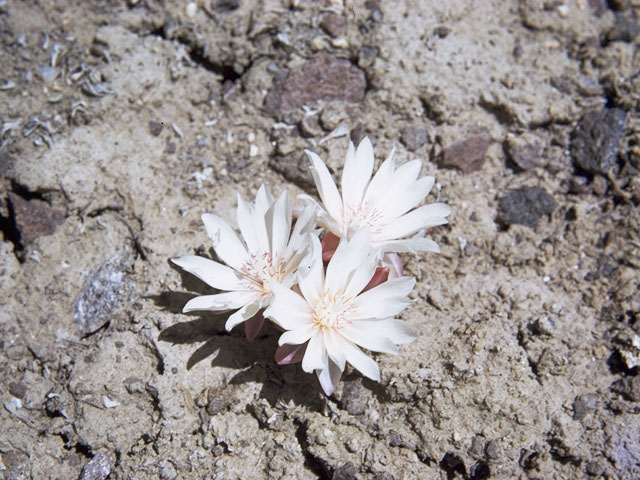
(122, 122)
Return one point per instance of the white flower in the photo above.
(335, 316)
(271, 252)
(383, 204)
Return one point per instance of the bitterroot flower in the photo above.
(271, 252)
(333, 317)
(385, 204)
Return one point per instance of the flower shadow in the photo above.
(254, 360)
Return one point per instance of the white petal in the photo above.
(329, 377)
(326, 186)
(311, 273)
(264, 200)
(397, 185)
(381, 179)
(278, 221)
(315, 357)
(367, 335)
(288, 309)
(246, 218)
(212, 273)
(334, 348)
(220, 302)
(385, 300)
(361, 276)
(423, 217)
(245, 313)
(412, 245)
(358, 360)
(407, 199)
(305, 224)
(357, 172)
(395, 330)
(225, 241)
(297, 336)
(348, 257)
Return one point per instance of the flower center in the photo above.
(359, 216)
(331, 310)
(262, 269)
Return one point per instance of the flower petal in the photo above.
(288, 309)
(407, 199)
(252, 226)
(220, 302)
(334, 348)
(329, 377)
(244, 314)
(412, 245)
(361, 362)
(385, 300)
(311, 274)
(253, 326)
(278, 220)
(297, 336)
(395, 330)
(326, 186)
(367, 335)
(349, 255)
(357, 172)
(212, 273)
(264, 200)
(381, 180)
(287, 354)
(315, 358)
(225, 241)
(423, 217)
(361, 276)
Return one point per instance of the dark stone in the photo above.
(618, 4)
(596, 139)
(442, 31)
(17, 389)
(155, 128)
(480, 471)
(353, 398)
(524, 155)
(171, 147)
(99, 467)
(322, 78)
(347, 471)
(333, 24)
(105, 290)
(628, 387)
(5, 162)
(525, 206)
(413, 138)
(33, 218)
(224, 6)
(54, 407)
(583, 404)
(467, 155)
(625, 29)
(453, 464)
(295, 168)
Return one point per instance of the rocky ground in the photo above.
(122, 122)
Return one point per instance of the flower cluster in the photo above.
(333, 297)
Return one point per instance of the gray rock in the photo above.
(625, 29)
(155, 128)
(596, 139)
(413, 138)
(348, 471)
(99, 467)
(353, 398)
(105, 290)
(583, 404)
(524, 151)
(525, 206)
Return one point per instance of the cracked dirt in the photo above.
(122, 122)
